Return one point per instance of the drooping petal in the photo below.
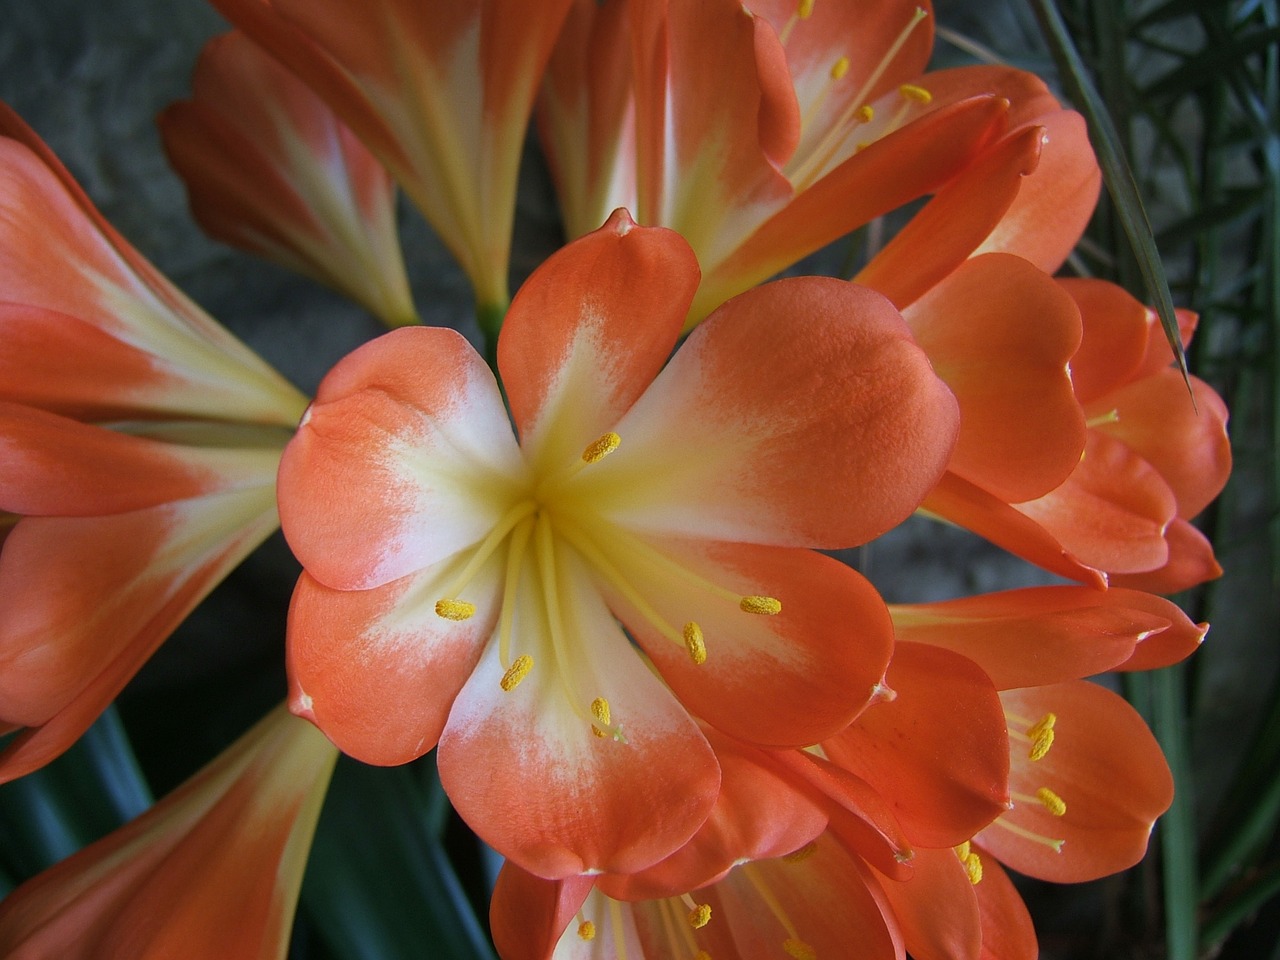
(1191, 562)
(98, 595)
(528, 914)
(1021, 429)
(1105, 768)
(405, 457)
(937, 909)
(1112, 511)
(62, 268)
(648, 781)
(1173, 644)
(785, 680)
(441, 94)
(377, 670)
(210, 872)
(800, 385)
(589, 331)
(937, 751)
(1116, 331)
(281, 177)
(1038, 635)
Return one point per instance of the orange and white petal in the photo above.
(1107, 778)
(1183, 437)
(59, 257)
(377, 670)
(405, 457)
(788, 679)
(1112, 511)
(937, 750)
(281, 176)
(937, 910)
(528, 914)
(212, 871)
(1038, 635)
(1021, 430)
(799, 385)
(1191, 562)
(593, 765)
(99, 595)
(588, 332)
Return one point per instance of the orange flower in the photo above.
(211, 871)
(117, 530)
(270, 169)
(764, 135)
(462, 586)
(441, 92)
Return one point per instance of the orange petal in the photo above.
(1104, 765)
(1191, 562)
(937, 909)
(60, 260)
(1183, 437)
(281, 177)
(947, 229)
(1038, 635)
(99, 596)
(212, 871)
(800, 385)
(1007, 930)
(527, 914)
(1116, 330)
(937, 751)
(405, 457)
(1111, 512)
(645, 786)
(589, 331)
(1021, 429)
(377, 670)
(960, 502)
(1171, 645)
(785, 680)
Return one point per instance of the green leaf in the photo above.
(1177, 827)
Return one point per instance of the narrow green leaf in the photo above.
(1235, 911)
(1177, 827)
(1115, 170)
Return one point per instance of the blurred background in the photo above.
(1192, 88)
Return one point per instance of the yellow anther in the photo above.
(1052, 802)
(839, 68)
(798, 949)
(973, 867)
(962, 851)
(597, 450)
(694, 643)
(518, 670)
(804, 9)
(1044, 723)
(865, 113)
(600, 710)
(586, 930)
(803, 853)
(910, 91)
(1041, 735)
(765, 606)
(700, 916)
(455, 609)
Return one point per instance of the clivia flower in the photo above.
(211, 871)
(465, 586)
(280, 176)
(140, 443)
(440, 92)
(764, 134)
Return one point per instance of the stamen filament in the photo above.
(803, 11)
(619, 935)
(1053, 844)
(490, 543)
(1111, 416)
(771, 901)
(544, 548)
(515, 562)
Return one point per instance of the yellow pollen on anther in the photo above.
(917, 94)
(455, 609)
(865, 113)
(695, 644)
(962, 851)
(1052, 802)
(973, 867)
(586, 930)
(600, 710)
(799, 949)
(597, 450)
(518, 670)
(765, 606)
(839, 68)
(804, 9)
(1041, 735)
(803, 853)
(700, 916)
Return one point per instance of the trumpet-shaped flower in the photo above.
(140, 442)
(763, 135)
(441, 92)
(211, 871)
(280, 176)
(461, 585)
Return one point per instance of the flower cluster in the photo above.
(594, 571)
